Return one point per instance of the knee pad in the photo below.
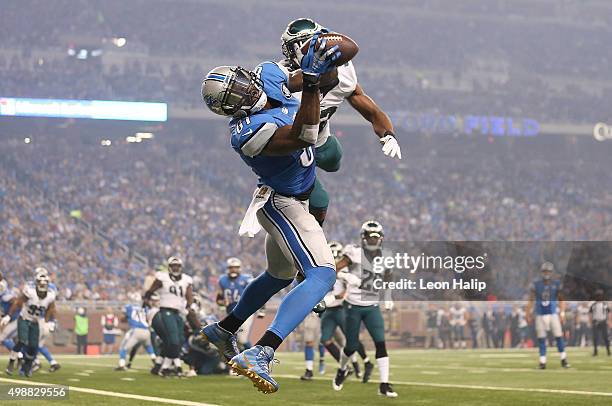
(324, 275)
(381, 349)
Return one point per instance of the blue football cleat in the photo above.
(254, 363)
(222, 339)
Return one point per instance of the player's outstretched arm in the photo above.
(381, 123)
(305, 128)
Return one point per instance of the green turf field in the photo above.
(421, 377)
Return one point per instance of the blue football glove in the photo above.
(318, 60)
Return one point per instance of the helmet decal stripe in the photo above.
(216, 76)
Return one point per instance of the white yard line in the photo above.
(112, 394)
(481, 387)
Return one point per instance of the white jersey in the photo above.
(361, 292)
(333, 99)
(172, 293)
(457, 316)
(36, 308)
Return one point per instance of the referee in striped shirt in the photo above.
(599, 317)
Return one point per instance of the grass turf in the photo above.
(420, 377)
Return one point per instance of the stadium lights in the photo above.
(131, 139)
(27, 140)
(144, 136)
(106, 143)
(119, 42)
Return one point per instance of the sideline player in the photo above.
(231, 286)
(176, 297)
(362, 303)
(328, 149)
(274, 135)
(36, 301)
(549, 310)
(138, 334)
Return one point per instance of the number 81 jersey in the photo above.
(172, 293)
(292, 174)
(36, 307)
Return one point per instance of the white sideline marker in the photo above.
(113, 394)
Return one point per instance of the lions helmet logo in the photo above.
(286, 91)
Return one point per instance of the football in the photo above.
(347, 46)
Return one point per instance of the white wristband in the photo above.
(309, 133)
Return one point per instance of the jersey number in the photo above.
(367, 280)
(36, 311)
(231, 296)
(307, 157)
(173, 290)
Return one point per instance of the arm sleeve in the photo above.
(348, 79)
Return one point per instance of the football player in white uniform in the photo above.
(346, 87)
(362, 303)
(458, 323)
(176, 298)
(35, 301)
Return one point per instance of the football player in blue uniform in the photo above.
(549, 312)
(138, 334)
(274, 135)
(231, 286)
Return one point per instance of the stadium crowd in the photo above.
(551, 71)
(185, 194)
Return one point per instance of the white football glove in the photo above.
(5, 320)
(51, 326)
(390, 147)
(389, 305)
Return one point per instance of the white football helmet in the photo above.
(295, 36)
(547, 270)
(233, 91)
(42, 281)
(233, 267)
(175, 267)
(372, 235)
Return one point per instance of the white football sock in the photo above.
(354, 357)
(177, 362)
(309, 365)
(563, 355)
(383, 369)
(167, 363)
(159, 359)
(121, 362)
(542, 359)
(344, 360)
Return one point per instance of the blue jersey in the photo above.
(136, 316)
(232, 289)
(5, 304)
(289, 175)
(546, 297)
